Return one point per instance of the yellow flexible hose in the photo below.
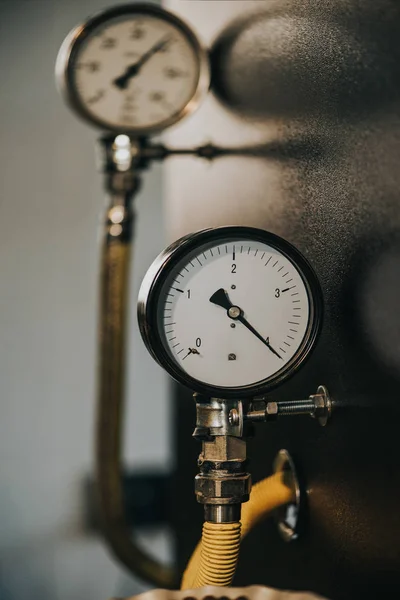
(214, 559)
(219, 554)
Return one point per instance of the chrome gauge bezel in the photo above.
(73, 42)
(158, 273)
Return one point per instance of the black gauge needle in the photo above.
(221, 298)
(191, 351)
(133, 70)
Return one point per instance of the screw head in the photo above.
(233, 417)
(234, 312)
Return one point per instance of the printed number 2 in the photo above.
(233, 268)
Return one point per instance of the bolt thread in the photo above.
(297, 407)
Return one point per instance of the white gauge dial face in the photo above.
(233, 314)
(136, 71)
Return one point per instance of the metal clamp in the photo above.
(214, 417)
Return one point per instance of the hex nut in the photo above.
(207, 487)
(271, 411)
(319, 406)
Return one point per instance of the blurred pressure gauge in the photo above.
(133, 69)
(230, 312)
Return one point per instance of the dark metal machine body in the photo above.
(329, 72)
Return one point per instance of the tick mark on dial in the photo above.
(289, 288)
(267, 261)
(98, 96)
(178, 290)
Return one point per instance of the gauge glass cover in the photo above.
(134, 69)
(238, 309)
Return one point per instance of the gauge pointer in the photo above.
(191, 351)
(221, 298)
(133, 70)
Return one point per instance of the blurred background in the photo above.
(52, 207)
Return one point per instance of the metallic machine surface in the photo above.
(325, 78)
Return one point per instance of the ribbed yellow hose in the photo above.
(219, 554)
(214, 560)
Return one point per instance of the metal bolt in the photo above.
(318, 406)
(233, 417)
(295, 407)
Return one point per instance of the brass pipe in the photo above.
(110, 410)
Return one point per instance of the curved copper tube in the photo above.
(113, 310)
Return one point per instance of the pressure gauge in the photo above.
(133, 69)
(230, 312)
